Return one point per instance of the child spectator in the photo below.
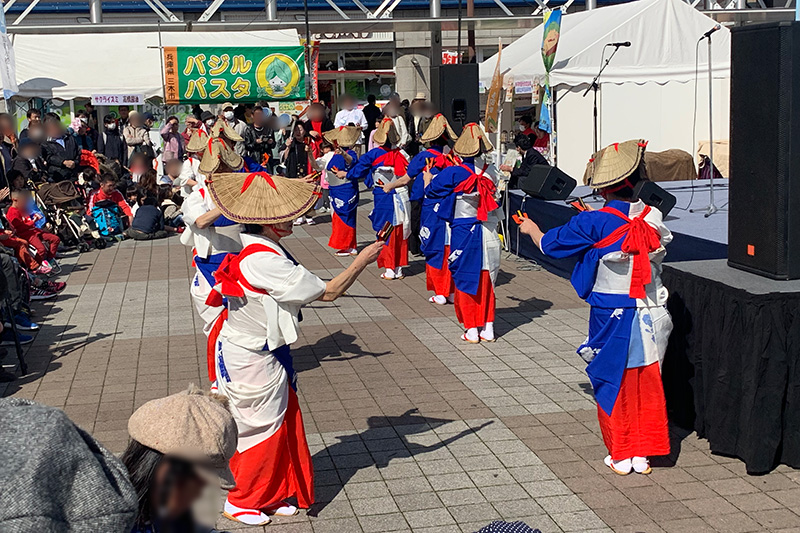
(29, 161)
(21, 220)
(108, 191)
(148, 224)
(173, 216)
(148, 183)
(173, 169)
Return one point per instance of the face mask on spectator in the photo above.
(228, 115)
(210, 123)
(112, 126)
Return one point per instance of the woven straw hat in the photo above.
(386, 130)
(345, 136)
(472, 141)
(259, 198)
(217, 148)
(437, 127)
(614, 163)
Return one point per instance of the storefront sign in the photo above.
(449, 57)
(117, 99)
(523, 87)
(196, 74)
(353, 37)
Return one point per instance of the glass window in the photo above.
(368, 60)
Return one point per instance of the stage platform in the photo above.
(732, 368)
(695, 236)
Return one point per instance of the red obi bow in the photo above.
(442, 161)
(229, 276)
(640, 239)
(394, 159)
(486, 190)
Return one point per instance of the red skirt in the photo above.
(440, 281)
(276, 469)
(343, 237)
(638, 425)
(394, 254)
(474, 311)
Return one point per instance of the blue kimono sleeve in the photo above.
(417, 165)
(362, 169)
(573, 238)
(442, 188)
(340, 163)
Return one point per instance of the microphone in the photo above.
(709, 32)
(626, 44)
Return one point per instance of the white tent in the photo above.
(647, 91)
(113, 63)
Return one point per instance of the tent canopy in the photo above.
(113, 63)
(663, 36)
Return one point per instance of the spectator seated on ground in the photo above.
(24, 224)
(148, 224)
(108, 192)
(172, 211)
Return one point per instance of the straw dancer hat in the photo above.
(345, 136)
(217, 148)
(438, 127)
(614, 163)
(472, 141)
(386, 130)
(259, 198)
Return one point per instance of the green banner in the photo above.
(195, 74)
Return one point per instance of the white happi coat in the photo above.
(251, 377)
(207, 242)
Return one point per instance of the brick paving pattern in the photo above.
(410, 428)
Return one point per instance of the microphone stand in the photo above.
(711, 208)
(595, 87)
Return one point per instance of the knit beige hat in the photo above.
(345, 136)
(472, 141)
(192, 426)
(614, 163)
(437, 127)
(386, 130)
(259, 198)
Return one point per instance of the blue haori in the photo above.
(433, 233)
(466, 232)
(344, 197)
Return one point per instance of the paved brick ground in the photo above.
(411, 429)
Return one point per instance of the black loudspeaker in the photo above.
(654, 196)
(454, 92)
(547, 183)
(764, 221)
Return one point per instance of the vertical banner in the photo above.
(195, 74)
(495, 97)
(314, 74)
(550, 35)
(8, 68)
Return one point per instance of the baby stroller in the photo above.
(63, 206)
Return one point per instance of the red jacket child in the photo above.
(22, 222)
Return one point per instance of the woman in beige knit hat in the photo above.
(178, 444)
(620, 249)
(265, 289)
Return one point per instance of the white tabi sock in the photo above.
(438, 299)
(389, 274)
(472, 335)
(487, 333)
(398, 272)
(251, 517)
